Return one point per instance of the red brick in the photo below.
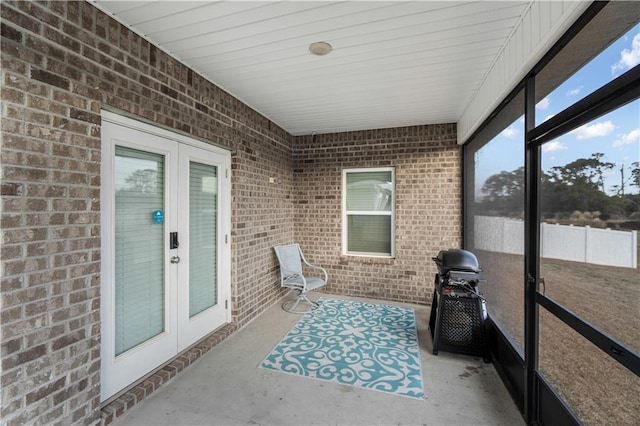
(50, 78)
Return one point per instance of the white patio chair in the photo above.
(290, 257)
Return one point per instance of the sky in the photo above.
(616, 134)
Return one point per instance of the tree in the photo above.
(635, 174)
(504, 191)
(579, 185)
(583, 172)
(504, 185)
(143, 180)
(633, 180)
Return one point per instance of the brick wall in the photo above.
(427, 165)
(62, 62)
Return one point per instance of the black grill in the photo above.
(458, 309)
(462, 319)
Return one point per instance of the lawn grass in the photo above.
(598, 388)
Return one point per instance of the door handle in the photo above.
(175, 259)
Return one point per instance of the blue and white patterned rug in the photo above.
(354, 343)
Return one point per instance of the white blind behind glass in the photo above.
(203, 224)
(139, 249)
(369, 234)
(369, 191)
(369, 203)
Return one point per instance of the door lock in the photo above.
(175, 259)
(173, 240)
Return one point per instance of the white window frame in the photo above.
(346, 213)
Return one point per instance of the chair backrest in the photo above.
(289, 258)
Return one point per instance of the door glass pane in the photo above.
(598, 389)
(590, 218)
(203, 233)
(139, 248)
(369, 234)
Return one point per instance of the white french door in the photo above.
(165, 262)
(200, 302)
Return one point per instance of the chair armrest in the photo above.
(324, 271)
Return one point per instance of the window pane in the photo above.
(203, 206)
(369, 234)
(369, 191)
(590, 214)
(606, 48)
(139, 248)
(494, 226)
(598, 389)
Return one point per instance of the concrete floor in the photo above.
(226, 387)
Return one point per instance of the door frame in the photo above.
(107, 303)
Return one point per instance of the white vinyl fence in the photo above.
(576, 243)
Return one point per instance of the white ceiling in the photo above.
(393, 63)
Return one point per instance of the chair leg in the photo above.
(291, 305)
(314, 305)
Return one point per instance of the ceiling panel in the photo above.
(187, 17)
(144, 11)
(380, 44)
(385, 53)
(393, 63)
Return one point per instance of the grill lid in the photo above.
(457, 260)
